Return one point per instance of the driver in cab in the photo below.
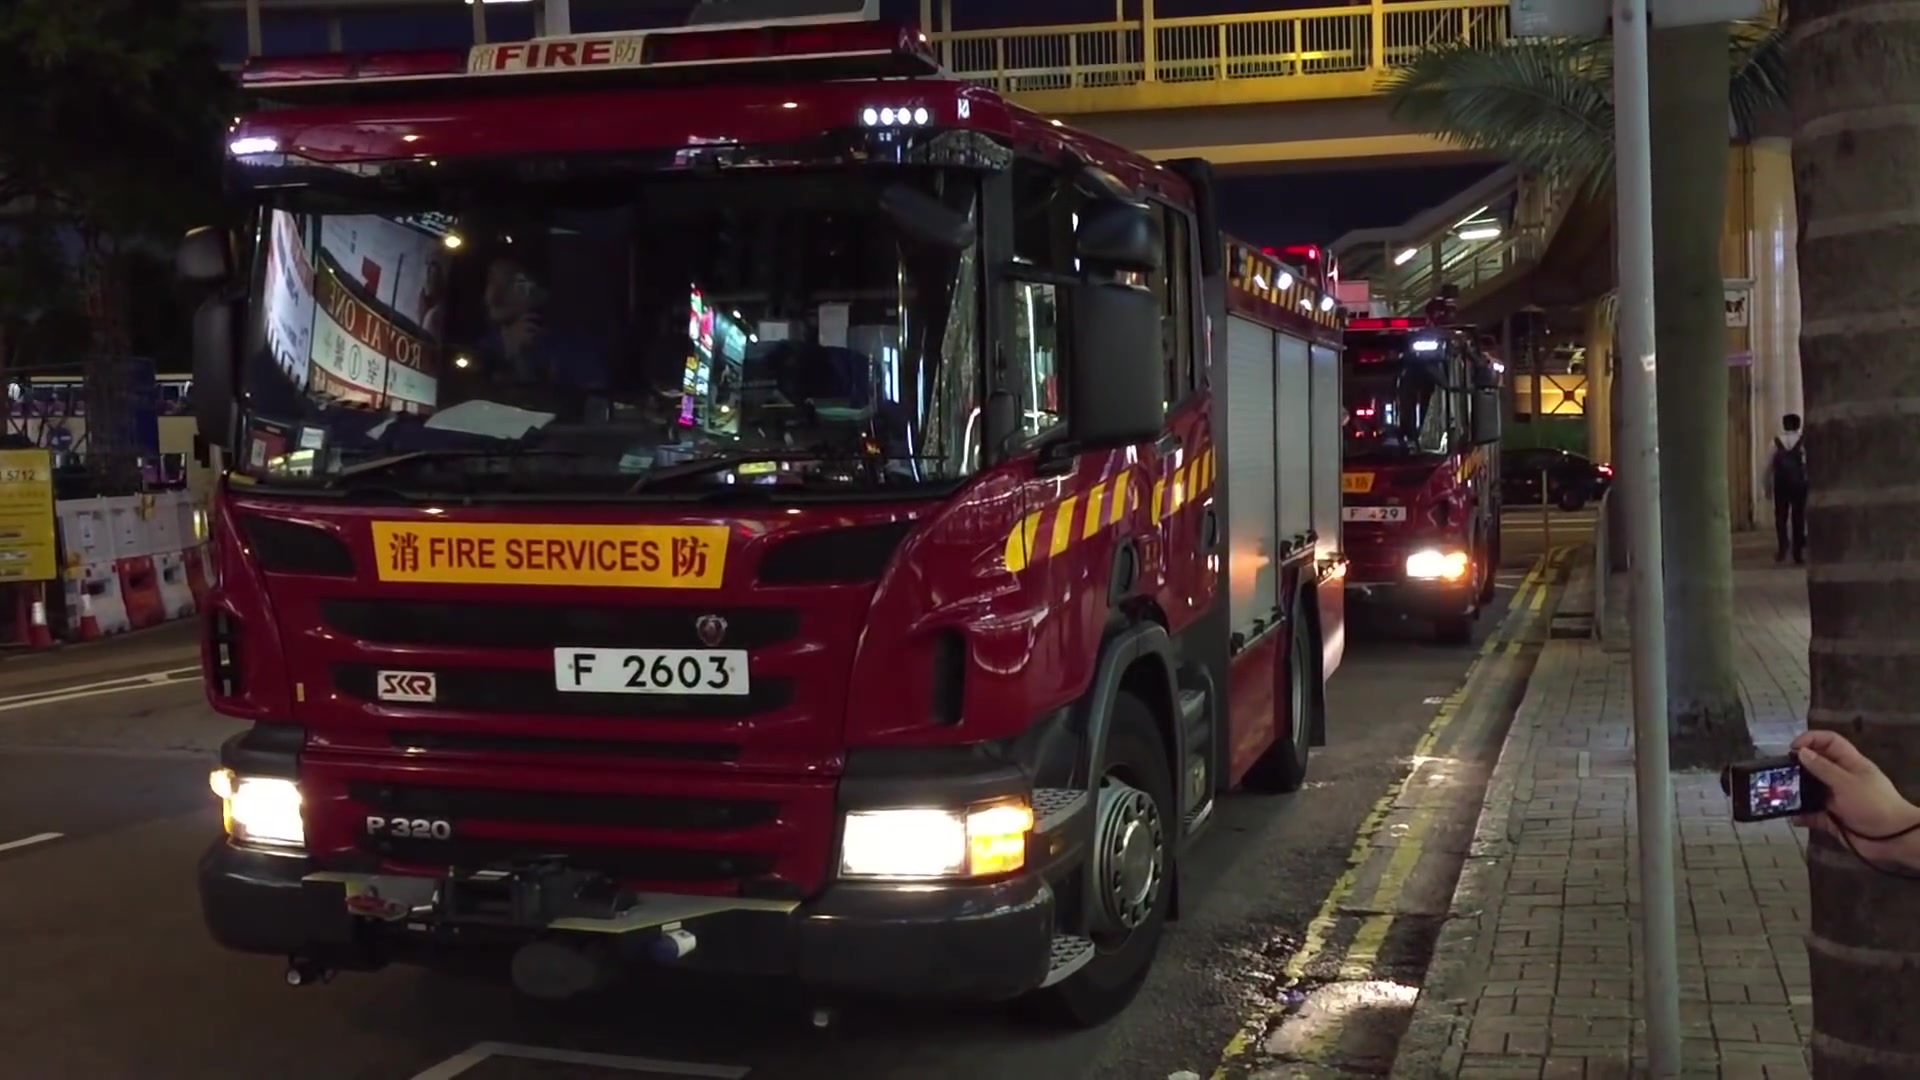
(521, 346)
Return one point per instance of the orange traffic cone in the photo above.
(89, 622)
(38, 636)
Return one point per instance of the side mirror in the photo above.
(214, 354)
(926, 219)
(1115, 235)
(1486, 416)
(205, 256)
(1116, 392)
(1485, 377)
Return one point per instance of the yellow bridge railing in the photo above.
(1307, 54)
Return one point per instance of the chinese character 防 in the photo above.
(689, 557)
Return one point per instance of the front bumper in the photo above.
(1421, 599)
(979, 941)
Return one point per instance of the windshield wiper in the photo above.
(721, 463)
(394, 461)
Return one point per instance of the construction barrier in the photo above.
(132, 561)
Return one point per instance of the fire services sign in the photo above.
(629, 556)
(609, 51)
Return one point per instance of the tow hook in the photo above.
(304, 972)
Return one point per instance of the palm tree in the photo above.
(1548, 105)
(1858, 263)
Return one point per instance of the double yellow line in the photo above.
(1364, 950)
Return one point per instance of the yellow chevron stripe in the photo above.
(1092, 516)
(1122, 491)
(1063, 525)
(1020, 542)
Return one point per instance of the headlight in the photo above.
(260, 809)
(1438, 565)
(921, 843)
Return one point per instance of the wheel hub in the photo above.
(1129, 855)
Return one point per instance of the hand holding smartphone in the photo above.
(1770, 788)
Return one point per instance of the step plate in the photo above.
(1067, 955)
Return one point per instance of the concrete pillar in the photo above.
(479, 23)
(254, 47)
(1599, 403)
(559, 18)
(1149, 42)
(335, 40)
(1775, 309)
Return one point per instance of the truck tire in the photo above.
(1134, 836)
(1283, 768)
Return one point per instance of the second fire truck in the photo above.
(1422, 474)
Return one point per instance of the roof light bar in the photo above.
(896, 116)
(353, 67)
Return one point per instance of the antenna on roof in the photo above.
(782, 12)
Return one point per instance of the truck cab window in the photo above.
(1043, 238)
(1174, 286)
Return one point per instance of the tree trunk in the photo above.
(1689, 66)
(111, 456)
(1855, 70)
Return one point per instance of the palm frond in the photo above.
(1545, 105)
(1759, 85)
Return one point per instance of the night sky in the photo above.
(1320, 207)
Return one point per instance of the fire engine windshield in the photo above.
(664, 333)
(1397, 406)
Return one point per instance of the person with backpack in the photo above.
(1786, 484)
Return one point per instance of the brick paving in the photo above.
(1535, 974)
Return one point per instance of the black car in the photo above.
(1572, 481)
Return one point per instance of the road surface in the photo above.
(104, 807)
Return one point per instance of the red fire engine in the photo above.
(1422, 479)
(1310, 261)
(738, 498)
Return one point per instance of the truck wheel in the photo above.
(1283, 768)
(1130, 872)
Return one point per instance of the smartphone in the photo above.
(1772, 788)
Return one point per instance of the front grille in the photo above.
(507, 690)
(639, 864)
(562, 808)
(486, 743)
(543, 626)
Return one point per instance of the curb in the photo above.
(1436, 1037)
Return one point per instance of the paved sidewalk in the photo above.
(1534, 975)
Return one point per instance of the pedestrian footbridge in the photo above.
(1260, 88)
